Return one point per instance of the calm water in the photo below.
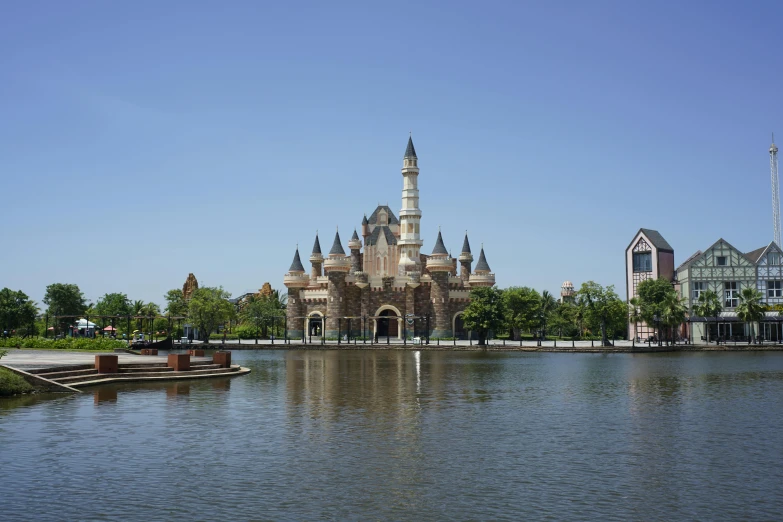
(411, 436)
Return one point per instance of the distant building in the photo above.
(648, 256)
(567, 292)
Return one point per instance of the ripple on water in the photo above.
(392, 436)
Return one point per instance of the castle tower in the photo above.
(365, 228)
(317, 259)
(336, 268)
(482, 276)
(439, 265)
(355, 245)
(410, 241)
(295, 279)
(465, 259)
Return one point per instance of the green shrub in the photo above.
(12, 384)
(69, 343)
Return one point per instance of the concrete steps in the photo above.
(138, 376)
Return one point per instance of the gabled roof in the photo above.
(482, 265)
(656, 239)
(296, 265)
(316, 245)
(392, 218)
(410, 152)
(440, 248)
(756, 255)
(689, 260)
(337, 247)
(466, 245)
(376, 233)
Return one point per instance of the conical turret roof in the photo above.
(466, 245)
(337, 247)
(296, 265)
(410, 152)
(482, 265)
(364, 220)
(317, 245)
(440, 248)
(355, 236)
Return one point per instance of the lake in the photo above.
(404, 435)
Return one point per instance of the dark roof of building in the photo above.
(355, 236)
(466, 245)
(364, 220)
(296, 265)
(482, 264)
(410, 152)
(689, 260)
(316, 245)
(756, 254)
(657, 239)
(376, 233)
(337, 247)
(440, 248)
(392, 218)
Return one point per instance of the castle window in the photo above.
(417, 228)
(410, 228)
(384, 264)
(382, 218)
(378, 264)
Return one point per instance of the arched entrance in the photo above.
(458, 327)
(314, 324)
(387, 323)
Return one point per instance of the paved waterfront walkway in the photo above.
(32, 359)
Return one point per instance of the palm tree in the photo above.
(673, 311)
(548, 304)
(137, 309)
(709, 305)
(635, 314)
(750, 308)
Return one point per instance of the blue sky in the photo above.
(141, 141)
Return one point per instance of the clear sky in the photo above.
(141, 141)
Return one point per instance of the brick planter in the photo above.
(106, 363)
(149, 351)
(179, 362)
(222, 358)
(196, 353)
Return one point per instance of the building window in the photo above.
(410, 228)
(382, 218)
(774, 289)
(417, 228)
(698, 288)
(773, 258)
(732, 294)
(642, 262)
(720, 261)
(378, 265)
(384, 265)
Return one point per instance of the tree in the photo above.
(113, 304)
(750, 308)
(175, 303)
(64, 299)
(653, 295)
(708, 305)
(259, 311)
(522, 309)
(548, 305)
(673, 312)
(208, 308)
(600, 307)
(485, 312)
(634, 315)
(16, 310)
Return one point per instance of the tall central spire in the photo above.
(410, 216)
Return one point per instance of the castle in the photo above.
(389, 289)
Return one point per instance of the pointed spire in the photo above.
(465, 244)
(410, 152)
(440, 248)
(364, 220)
(337, 247)
(482, 265)
(296, 265)
(355, 236)
(317, 245)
